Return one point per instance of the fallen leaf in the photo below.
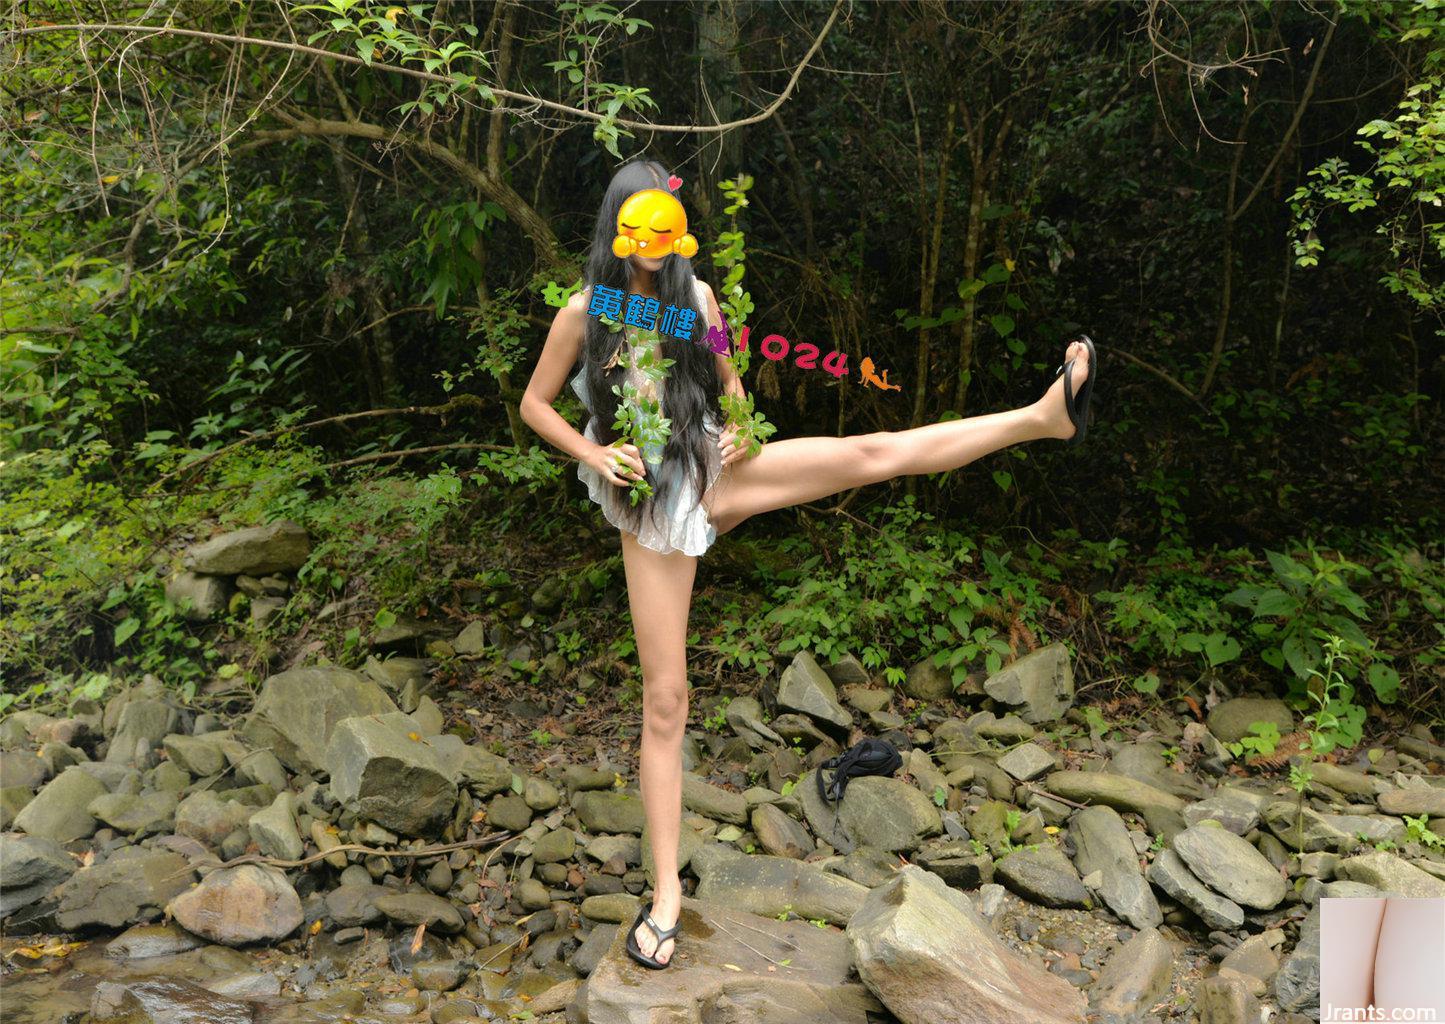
(416, 939)
(733, 967)
(316, 927)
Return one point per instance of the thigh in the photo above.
(790, 472)
(659, 593)
(1410, 959)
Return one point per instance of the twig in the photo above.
(1053, 796)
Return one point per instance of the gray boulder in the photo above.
(282, 546)
(274, 829)
(396, 778)
(130, 886)
(234, 906)
(1144, 760)
(1027, 762)
(414, 908)
(806, 689)
(1391, 873)
(30, 869)
(1230, 865)
(887, 814)
(1297, 985)
(60, 811)
(779, 834)
(205, 816)
(744, 716)
(142, 725)
(1230, 720)
(1112, 790)
(926, 681)
(1426, 800)
(198, 597)
(1043, 875)
(925, 952)
(1102, 844)
(164, 1001)
(1137, 976)
(770, 886)
(1039, 686)
(298, 709)
(609, 811)
(1173, 876)
(701, 797)
(138, 813)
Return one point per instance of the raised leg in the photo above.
(659, 592)
(804, 469)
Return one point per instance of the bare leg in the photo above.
(803, 469)
(1410, 961)
(1349, 932)
(659, 592)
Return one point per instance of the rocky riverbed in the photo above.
(353, 846)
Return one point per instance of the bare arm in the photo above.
(559, 354)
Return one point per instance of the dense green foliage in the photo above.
(309, 279)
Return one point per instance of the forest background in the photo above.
(270, 260)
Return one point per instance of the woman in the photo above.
(705, 485)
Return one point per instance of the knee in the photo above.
(875, 453)
(664, 707)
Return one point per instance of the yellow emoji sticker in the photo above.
(652, 223)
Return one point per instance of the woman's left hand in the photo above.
(731, 446)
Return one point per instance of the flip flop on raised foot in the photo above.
(1078, 406)
(644, 916)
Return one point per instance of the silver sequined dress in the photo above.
(682, 523)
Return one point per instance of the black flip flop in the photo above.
(1078, 407)
(644, 916)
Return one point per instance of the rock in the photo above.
(164, 1001)
(131, 885)
(396, 778)
(768, 886)
(730, 972)
(135, 813)
(264, 609)
(926, 681)
(472, 639)
(1392, 874)
(886, 813)
(609, 811)
(298, 709)
(414, 908)
(1297, 985)
(1230, 720)
(482, 771)
(510, 812)
(555, 846)
(60, 810)
(804, 687)
(1225, 1000)
(30, 868)
(1137, 976)
(1117, 791)
(1427, 800)
(142, 723)
(1346, 780)
(1235, 809)
(282, 546)
(744, 716)
(1171, 875)
(956, 863)
(12, 801)
(145, 940)
(1044, 876)
(206, 817)
(540, 795)
(1027, 762)
(274, 829)
(1144, 760)
(779, 834)
(1102, 844)
(439, 975)
(198, 597)
(928, 955)
(1040, 685)
(1255, 958)
(712, 801)
(1230, 865)
(198, 755)
(864, 698)
(614, 907)
(354, 905)
(234, 906)
(532, 895)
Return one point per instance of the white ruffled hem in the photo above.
(691, 532)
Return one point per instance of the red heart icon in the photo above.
(674, 183)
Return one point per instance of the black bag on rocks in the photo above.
(867, 757)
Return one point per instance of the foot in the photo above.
(666, 906)
(1051, 407)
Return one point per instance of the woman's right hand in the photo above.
(619, 464)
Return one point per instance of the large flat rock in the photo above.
(928, 955)
(729, 966)
(298, 709)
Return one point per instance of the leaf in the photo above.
(416, 939)
(1220, 648)
(126, 630)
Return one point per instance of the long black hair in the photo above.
(693, 385)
